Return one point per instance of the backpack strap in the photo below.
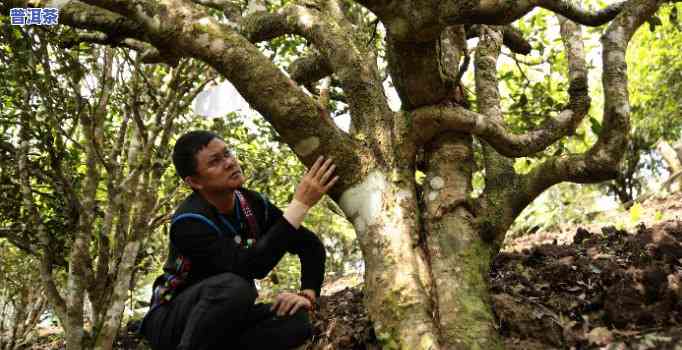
(250, 220)
(198, 217)
(266, 207)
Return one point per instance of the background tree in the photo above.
(22, 300)
(529, 87)
(86, 153)
(427, 246)
(656, 117)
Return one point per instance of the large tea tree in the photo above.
(427, 248)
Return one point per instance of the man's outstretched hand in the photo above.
(316, 182)
(289, 303)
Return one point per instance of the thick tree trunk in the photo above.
(438, 246)
(460, 259)
(425, 284)
(384, 211)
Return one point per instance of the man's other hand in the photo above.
(289, 303)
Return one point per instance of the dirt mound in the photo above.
(342, 323)
(609, 288)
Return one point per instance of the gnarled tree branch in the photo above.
(572, 11)
(432, 120)
(405, 26)
(506, 193)
(505, 12)
(295, 115)
(511, 38)
(107, 28)
(493, 210)
(263, 26)
(149, 53)
(230, 8)
(600, 162)
(82, 16)
(141, 12)
(356, 72)
(309, 69)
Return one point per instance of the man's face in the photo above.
(217, 169)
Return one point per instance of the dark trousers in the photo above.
(219, 313)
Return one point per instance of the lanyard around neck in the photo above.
(236, 212)
(241, 202)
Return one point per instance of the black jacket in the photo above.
(211, 248)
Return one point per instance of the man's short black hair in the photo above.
(186, 148)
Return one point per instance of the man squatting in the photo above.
(222, 236)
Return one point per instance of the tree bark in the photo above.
(384, 212)
(460, 259)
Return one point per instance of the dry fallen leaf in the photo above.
(600, 336)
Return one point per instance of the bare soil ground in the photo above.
(609, 289)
